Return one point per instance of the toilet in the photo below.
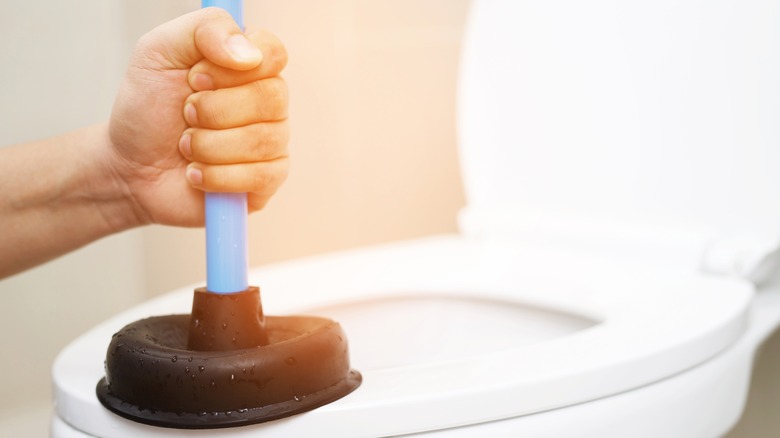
(615, 270)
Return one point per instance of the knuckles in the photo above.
(259, 178)
(274, 61)
(269, 177)
(265, 100)
(274, 55)
(271, 98)
(254, 143)
(255, 103)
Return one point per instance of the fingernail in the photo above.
(201, 82)
(243, 50)
(194, 175)
(190, 115)
(184, 146)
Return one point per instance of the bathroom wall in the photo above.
(60, 63)
(372, 107)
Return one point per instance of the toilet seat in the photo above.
(650, 323)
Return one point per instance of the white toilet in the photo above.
(613, 274)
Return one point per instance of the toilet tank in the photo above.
(636, 114)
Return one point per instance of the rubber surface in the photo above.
(153, 378)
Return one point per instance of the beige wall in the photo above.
(56, 75)
(372, 107)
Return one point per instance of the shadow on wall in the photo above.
(760, 417)
(61, 77)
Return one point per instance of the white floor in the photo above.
(30, 421)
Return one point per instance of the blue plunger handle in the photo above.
(226, 213)
(235, 7)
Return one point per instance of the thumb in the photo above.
(209, 33)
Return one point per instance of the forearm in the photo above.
(58, 194)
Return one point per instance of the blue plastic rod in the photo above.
(235, 7)
(226, 213)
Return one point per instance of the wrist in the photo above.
(110, 186)
(61, 193)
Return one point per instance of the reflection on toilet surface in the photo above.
(419, 329)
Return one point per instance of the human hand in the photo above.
(201, 108)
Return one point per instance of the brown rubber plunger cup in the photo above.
(225, 365)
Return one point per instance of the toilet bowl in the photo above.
(615, 270)
(444, 339)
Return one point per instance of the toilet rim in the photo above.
(666, 323)
(653, 322)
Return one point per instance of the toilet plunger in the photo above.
(226, 364)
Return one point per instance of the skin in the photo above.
(201, 108)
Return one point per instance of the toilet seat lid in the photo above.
(659, 114)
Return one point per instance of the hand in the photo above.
(202, 108)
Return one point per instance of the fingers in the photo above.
(222, 42)
(237, 150)
(256, 142)
(259, 101)
(237, 136)
(257, 201)
(209, 33)
(261, 178)
(206, 75)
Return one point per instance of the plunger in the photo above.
(226, 364)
